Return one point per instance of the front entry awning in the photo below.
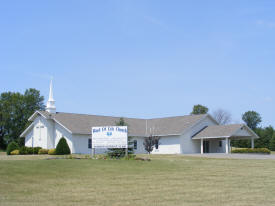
(232, 131)
(227, 132)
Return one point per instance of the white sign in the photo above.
(110, 137)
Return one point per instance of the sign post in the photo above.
(93, 152)
(110, 137)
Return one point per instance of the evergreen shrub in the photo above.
(62, 147)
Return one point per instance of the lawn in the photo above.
(166, 180)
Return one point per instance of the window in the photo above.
(220, 143)
(90, 143)
(135, 144)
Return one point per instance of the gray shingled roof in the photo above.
(82, 123)
(218, 131)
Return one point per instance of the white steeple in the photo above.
(50, 104)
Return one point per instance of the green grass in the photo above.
(166, 180)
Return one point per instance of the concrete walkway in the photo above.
(234, 156)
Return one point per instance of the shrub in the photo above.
(36, 150)
(11, 147)
(43, 151)
(25, 150)
(62, 147)
(29, 150)
(251, 150)
(15, 152)
(52, 152)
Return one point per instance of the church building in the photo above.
(177, 135)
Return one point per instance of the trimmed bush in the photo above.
(11, 147)
(25, 150)
(43, 151)
(62, 147)
(36, 150)
(15, 152)
(251, 151)
(52, 152)
(29, 150)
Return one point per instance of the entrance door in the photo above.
(206, 146)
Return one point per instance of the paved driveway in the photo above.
(234, 156)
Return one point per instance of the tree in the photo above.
(252, 119)
(62, 147)
(272, 143)
(265, 135)
(199, 109)
(15, 109)
(150, 142)
(222, 117)
(117, 152)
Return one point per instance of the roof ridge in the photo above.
(130, 117)
(98, 115)
(187, 115)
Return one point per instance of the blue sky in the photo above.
(142, 58)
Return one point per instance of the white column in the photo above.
(201, 146)
(229, 145)
(226, 145)
(252, 143)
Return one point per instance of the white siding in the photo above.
(50, 134)
(140, 148)
(190, 146)
(168, 145)
(62, 132)
(29, 138)
(80, 143)
(40, 133)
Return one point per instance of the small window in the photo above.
(220, 143)
(135, 144)
(90, 143)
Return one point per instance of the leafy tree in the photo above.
(241, 143)
(62, 147)
(222, 117)
(199, 109)
(252, 119)
(150, 143)
(120, 152)
(265, 135)
(272, 143)
(15, 109)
